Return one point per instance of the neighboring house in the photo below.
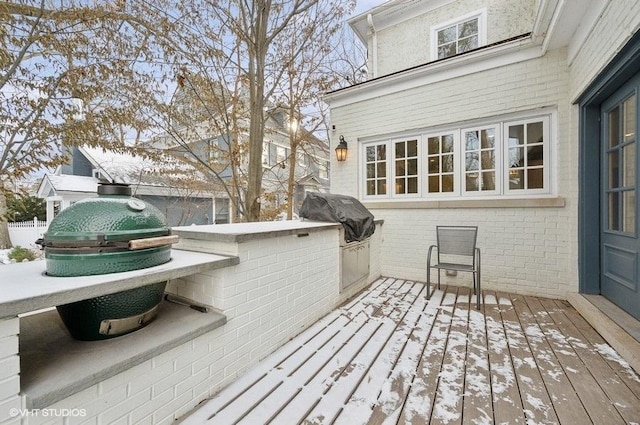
(199, 129)
(519, 117)
(312, 160)
(182, 202)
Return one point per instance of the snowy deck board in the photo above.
(392, 357)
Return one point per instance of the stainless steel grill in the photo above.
(357, 227)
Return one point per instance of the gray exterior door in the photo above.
(620, 242)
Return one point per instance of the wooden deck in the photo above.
(392, 357)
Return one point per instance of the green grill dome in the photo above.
(93, 236)
(114, 213)
(111, 233)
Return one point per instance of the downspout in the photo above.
(374, 45)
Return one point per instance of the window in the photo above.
(526, 155)
(376, 169)
(273, 154)
(281, 154)
(301, 158)
(500, 158)
(323, 169)
(222, 210)
(265, 153)
(214, 150)
(480, 160)
(459, 36)
(440, 163)
(406, 166)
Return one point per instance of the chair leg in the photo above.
(479, 281)
(476, 290)
(479, 292)
(438, 278)
(428, 283)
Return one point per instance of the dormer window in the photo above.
(459, 36)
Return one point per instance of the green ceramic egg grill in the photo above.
(108, 234)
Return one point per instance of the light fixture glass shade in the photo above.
(341, 150)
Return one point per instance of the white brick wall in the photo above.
(9, 370)
(281, 286)
(617, 24)
(525, 250)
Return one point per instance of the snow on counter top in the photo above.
(241, 232)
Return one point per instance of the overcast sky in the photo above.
(364, 5)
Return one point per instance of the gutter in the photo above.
(374, 47)
(513, 50)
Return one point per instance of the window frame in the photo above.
(392, 184)
(481, 15)
(363, 175)
(498, 163)
(500, 125)
(456, 161)
(546, 156)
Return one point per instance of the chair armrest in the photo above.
(429, 254)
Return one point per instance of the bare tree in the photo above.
(63, 68)
(97, 75)
(308, 52)
(235, 57)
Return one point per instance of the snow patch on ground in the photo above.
(4, 256)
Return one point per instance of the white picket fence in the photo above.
(25, 233)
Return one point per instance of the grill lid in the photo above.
(111, 220)
(355, 218)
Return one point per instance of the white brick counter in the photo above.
(285, 278)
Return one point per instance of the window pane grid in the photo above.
(480, 160)
(620, 165)
(458, 38)
(526, 156)
(406, 167)
(376, 170)
(440, 164)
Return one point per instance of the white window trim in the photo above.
(548, 116)
(391, 146)
(498, 163)
(456, 161)
(546, 156)
(482, 30)
(363, 169)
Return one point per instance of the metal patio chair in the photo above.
(456, 250)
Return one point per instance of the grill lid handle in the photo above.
(152, 242)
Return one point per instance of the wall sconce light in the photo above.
(341, 150)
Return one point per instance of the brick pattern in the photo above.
(525, 250)
(616, 25)
(9, 370)
(281, 286)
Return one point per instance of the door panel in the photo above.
(621, 265)
(620, 243)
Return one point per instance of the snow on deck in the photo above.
(392, 357)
